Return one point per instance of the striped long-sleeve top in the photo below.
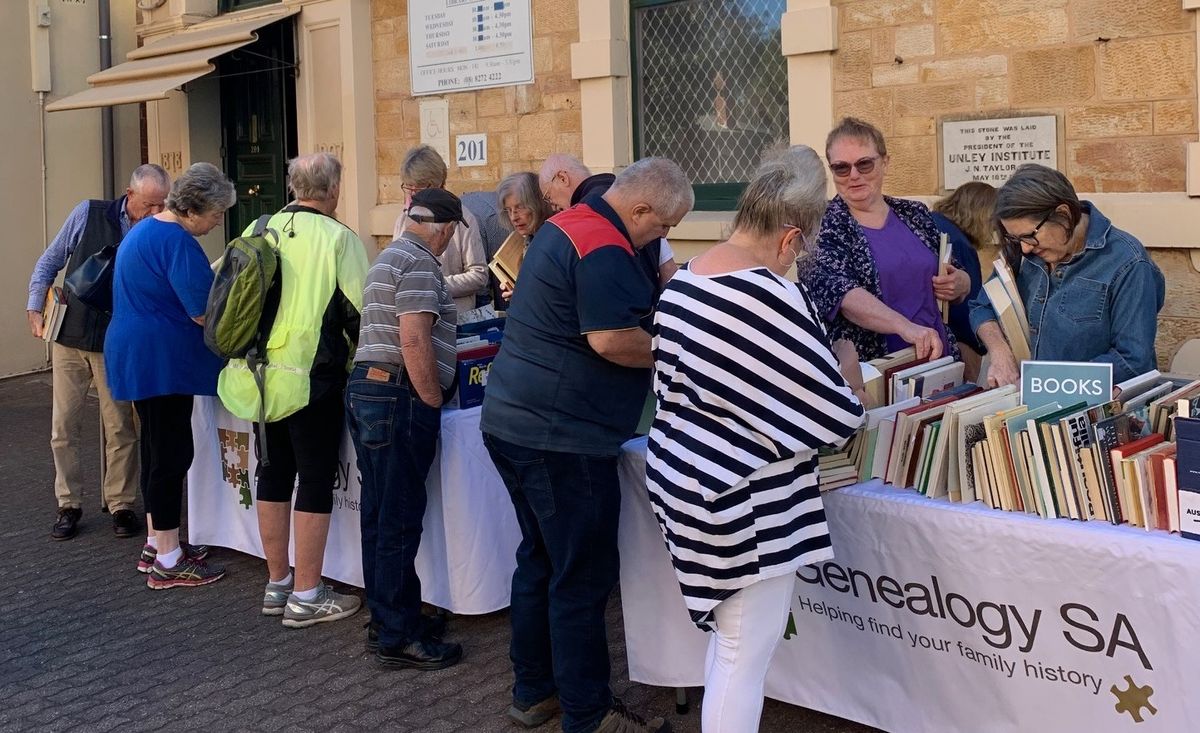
(747, 391)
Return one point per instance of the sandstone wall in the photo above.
(524, 124)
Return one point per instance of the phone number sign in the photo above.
(456, 45)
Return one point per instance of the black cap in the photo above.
(444, 205)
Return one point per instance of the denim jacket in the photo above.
(1101, 305)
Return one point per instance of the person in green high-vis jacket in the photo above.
(323, 265)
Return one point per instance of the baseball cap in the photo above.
(444, 205)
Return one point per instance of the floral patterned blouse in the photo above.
(842, 261)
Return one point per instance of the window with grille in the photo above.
(709, 89)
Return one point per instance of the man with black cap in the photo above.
(405, 364)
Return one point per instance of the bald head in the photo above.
(651, 196)
(560, 175)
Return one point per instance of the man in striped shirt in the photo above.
(564, 393)
(404, 365)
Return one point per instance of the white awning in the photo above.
(156, 68)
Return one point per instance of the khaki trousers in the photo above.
(74, 371)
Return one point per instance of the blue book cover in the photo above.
(1187, 461)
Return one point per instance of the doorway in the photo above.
(258, 121)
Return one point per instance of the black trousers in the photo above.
(166, 451)
(306, 443)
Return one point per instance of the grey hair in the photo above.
(435, 227)
(525, 187)
(422, 166)
(201, 189)
(314, 177)
(1035, 191)
(659, 182)
(788, 190)
(149, 173)
(562, 162)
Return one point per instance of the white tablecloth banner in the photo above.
(946, 618)
(468, 547)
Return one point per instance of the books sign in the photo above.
(1065, 382)
(990, 150)
(455, 45)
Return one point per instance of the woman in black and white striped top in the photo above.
(747, 391)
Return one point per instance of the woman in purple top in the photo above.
(874, 274)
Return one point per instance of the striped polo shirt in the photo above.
(406, 278)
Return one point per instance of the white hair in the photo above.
(149, 173)
(562, 162)
(659, 182)
(788, 190)
(314, 177)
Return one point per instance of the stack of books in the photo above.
(53, 313)
(1010, 310)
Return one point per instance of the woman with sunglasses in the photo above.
(874, 274)
(1090, 290)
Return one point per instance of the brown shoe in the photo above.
(67, 524)
(620, 719)
(531, 716)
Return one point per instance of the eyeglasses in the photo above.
(518, 209)
(1016, 240)
(841, 169)
(411, 189)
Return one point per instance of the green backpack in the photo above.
(242, 304)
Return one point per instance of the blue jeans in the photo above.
(567, 564)
(395, 435)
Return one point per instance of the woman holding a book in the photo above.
(523, 211)
(965, 217)
(1087, 290)
(748, 390)
(877, 274)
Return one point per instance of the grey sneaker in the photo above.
(329, 605)
(533, 715)
(620, 719)
(275, 597)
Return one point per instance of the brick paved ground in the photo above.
(84, 645)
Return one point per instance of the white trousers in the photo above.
(750, 625)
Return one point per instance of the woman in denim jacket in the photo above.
(1090, 290)
(874, 273)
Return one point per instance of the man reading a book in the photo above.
(565, 391)
(78, 356)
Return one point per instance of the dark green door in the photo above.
(258, 100)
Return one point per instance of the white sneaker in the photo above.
(329, 605)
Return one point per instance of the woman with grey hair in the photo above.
(1090, 290)
(522, 210)
(464, 262)
(322, 267)
(748, 390)
(157, 358)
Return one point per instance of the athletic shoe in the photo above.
(533, 715)
(187, 572)
(329, 605)
(146, 561)
(620, 719)
(275, 598)
(66, 525)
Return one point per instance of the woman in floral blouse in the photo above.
(874, 272)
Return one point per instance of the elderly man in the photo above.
(308, 351)
(564, 393)
(464, 262)
(565, 181)
(78, 356)
(404, 366)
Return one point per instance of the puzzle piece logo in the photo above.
(235, 462)
(1132, 699)
(790, 631)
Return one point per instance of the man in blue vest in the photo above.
(565, 391)
(78, 356)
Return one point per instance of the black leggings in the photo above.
(166, 451)
(307, 443)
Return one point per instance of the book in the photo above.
(876, 387)
(936, 380)
(1171, 490)
(1016, 426)
(1129, 500)
(53, 313)
(883, 448)
(988, 403)
(1187, 475)
(994, 426)
(1091, 482)
(506, 263)
(1111, 432)
(1159, 502)
(975, 486)
(944, 251)
(1005, 275)
(1026, 448)
(945, 477)
(900, 380)
(1048, 474)
(1007, 317)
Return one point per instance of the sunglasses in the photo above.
(1016, 240)
(841, 169)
